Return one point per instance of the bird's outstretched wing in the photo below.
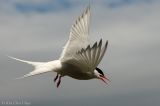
(78, 38)
(89, 58)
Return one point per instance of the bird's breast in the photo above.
(75, 72)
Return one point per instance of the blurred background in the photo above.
(36, 30)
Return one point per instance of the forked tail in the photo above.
(39, 67)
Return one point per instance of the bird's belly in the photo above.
(79, 75)
(75, 73)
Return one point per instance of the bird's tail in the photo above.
(39, 67)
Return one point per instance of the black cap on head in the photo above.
(100, 71)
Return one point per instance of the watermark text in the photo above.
(15, 102)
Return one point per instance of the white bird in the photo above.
(79, 59)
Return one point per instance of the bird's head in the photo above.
(100, 75)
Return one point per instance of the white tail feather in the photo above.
(28, 62)
(40, 67)
(27, 75)
(35, 72)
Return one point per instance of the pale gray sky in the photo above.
(37, 31)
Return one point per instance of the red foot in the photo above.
(59, 81)
(55, 78)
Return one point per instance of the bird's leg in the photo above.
(59, 81)
(55, 78)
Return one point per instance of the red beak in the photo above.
(104, 79)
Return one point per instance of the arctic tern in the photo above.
(79, 59)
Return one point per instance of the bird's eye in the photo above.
(101, 75)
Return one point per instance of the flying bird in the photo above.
(79, 59)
